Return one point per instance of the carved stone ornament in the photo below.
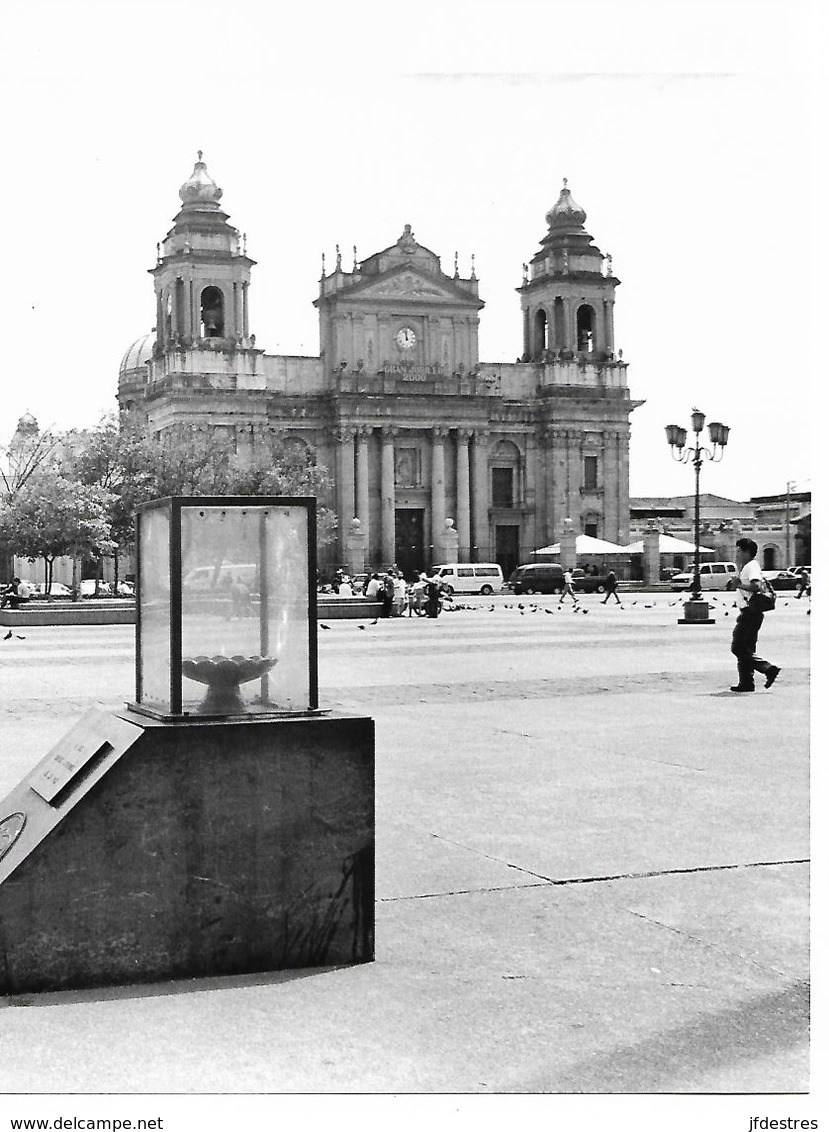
(406, 285)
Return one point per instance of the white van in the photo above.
(471, 577)
(712, 576)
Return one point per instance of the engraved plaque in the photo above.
(10, 829)
(66, 760)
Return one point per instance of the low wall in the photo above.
(123, 613)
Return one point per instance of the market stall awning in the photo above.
(668, 544)
(586, 544)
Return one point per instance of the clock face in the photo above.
(406, 338)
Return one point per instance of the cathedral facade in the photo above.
(432, 451)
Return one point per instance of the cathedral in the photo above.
(435, 455)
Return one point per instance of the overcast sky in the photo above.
(687, 133)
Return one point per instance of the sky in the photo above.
(692, 135)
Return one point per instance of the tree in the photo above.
(134, 467)
(52, 516)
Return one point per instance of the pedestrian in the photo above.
(432, 596)
(345, 589)
(17, 593)
(386, 594)
(804, 583)
(756, 595)
(568, 590)
(240, 599)
(399, 595)
(373, 588)
(610, 585)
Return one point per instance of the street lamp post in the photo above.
(696, 609)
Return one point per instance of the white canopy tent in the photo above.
(669, 545)
(586, 544)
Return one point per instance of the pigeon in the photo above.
(324, 626)
(20, 638)
(7, 635)
(585, 611)
(376, 619)
(520, 606)
(491, 609)
(548, 611)
(361, 627)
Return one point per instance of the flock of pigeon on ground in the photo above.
(451, 606)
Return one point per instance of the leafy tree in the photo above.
(53, 516)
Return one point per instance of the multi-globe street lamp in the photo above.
(696, 610)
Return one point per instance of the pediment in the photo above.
(408, 284)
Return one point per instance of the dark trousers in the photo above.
(743, 645)
(612, 593)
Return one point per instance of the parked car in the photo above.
(782, 579)
(87, 588)
(58, 589)
(584, 583)
(538, 578)
(712, 576)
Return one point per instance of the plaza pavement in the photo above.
(591, 869)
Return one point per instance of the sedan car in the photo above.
(781, 579)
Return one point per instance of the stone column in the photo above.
(608, 324)
(480, 497)
(543, 518)
(356, 553)
(608, 481)
(363, 433)
(462, 509)
(387, 495)
(174, 312)
(344, 439)
(624, 484)
(650, 553)
(438, 486)
(245, 328)
(568, 544)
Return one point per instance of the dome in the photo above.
(200, 188)
(139, 353)
(28, 423)
(565, 213)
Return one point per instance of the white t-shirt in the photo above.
(749, 572)
(24, 590)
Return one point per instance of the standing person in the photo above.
(432, 596)
(399, 594)
(386, 594)
(568, 590)
(749, 620)
(610, 585)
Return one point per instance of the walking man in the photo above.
(749, 620)
(610, 585)
(568, 588)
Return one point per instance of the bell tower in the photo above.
(202, 274)
(568, 291)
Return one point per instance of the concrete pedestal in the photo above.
(139, 850)
(697, 612)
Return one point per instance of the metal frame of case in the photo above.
(174, 506)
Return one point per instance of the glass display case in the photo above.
(226, 607)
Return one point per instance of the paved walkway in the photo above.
(592, 870)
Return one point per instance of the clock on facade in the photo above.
(406, 338)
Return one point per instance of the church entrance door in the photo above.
(409, 551)
(506, 549)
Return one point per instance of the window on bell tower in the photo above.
(212, 313)
(541, 332)
(585, 328)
